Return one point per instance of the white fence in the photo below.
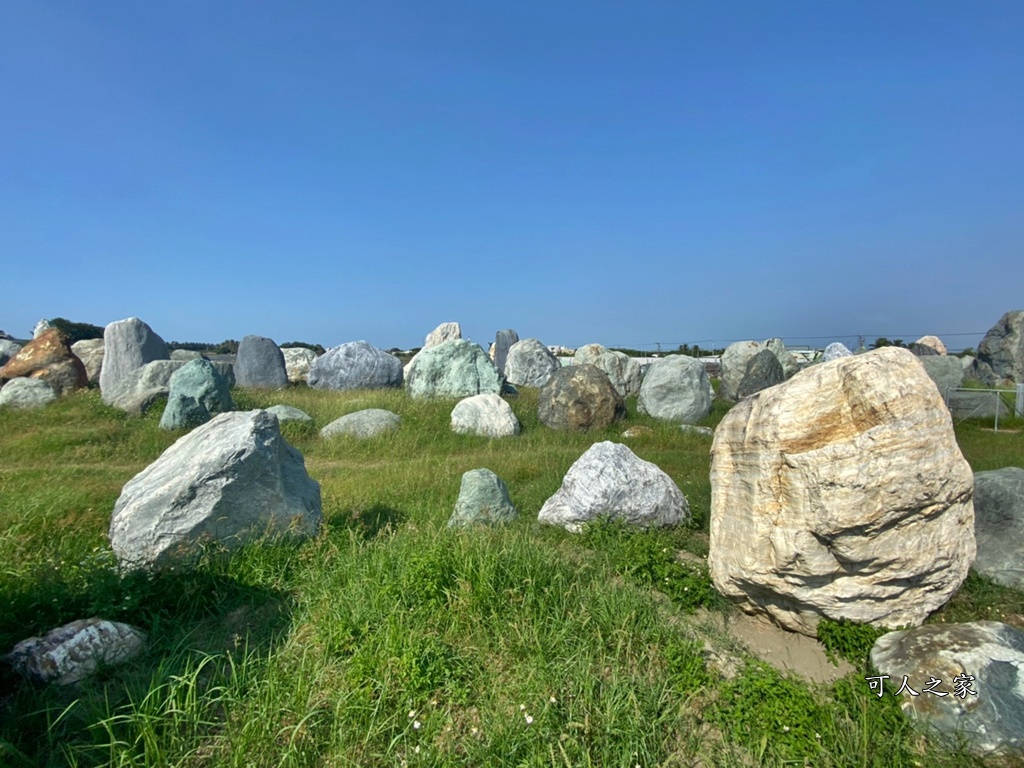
(985, 403)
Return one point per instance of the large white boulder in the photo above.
(842, 493)
(230, 481)
(487, 415)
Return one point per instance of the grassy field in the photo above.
(391, 640)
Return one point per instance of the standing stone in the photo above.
(842, 493)
(260, 364)
(988, 713)
(90, 352)
(676, 388)
(457, 368)
(127, 346)
(231, 481)
(8, 349)
(579, 398)
(622, 370)
(503, 341)
(201, 381)
(145, 385)
(928, 345)
(74, 651)
(734, 367)
(483, 499)
(530, 364)
(835, 351)
(945, 371)
(183, 412)
(763, 370)
(297, 361)
(48, 357)
(609, 480)
(1002, 349)
(26, 393)
(789, 362)
(370, 422)
(999, 525)
(486, 415)
(355, 365)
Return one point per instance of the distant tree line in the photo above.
(694, 350)
(230, 346)
(77, 331)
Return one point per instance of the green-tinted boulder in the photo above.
(483, 499)
(456, 368)
(200, 379)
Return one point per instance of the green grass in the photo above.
(390, 640)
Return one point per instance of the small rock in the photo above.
(288, 413)
(26, 393)
(367, 423)
(486, 415)
(835, 351)
(928, 345)
(67, 654)
(483, 499)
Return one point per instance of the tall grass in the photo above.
(391, 640)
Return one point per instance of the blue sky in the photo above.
(626, 173)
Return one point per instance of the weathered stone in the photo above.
(90, 352)
(789, 362)
(622, 370)
(297, 361)
(487, 415)
(689, 429)
(457, 368)
(982, 373)
(367, 423)
(928, 345)
(8, 349)
(763, 370)
(200, 380)
(848, 493)
(676, 388)
(609, 480)
(231, 481)
(74, 651)
(41, 327)
(260, 364)
(579, 398)
(1002, 349)
(26, 393)
(145, 385)
(503, 341)
(186, 354)
(287, 413)
(835, 351)
(183, 412)
(483, 499)
(127, 346)
(734, 367)
(530, 364)
(999, 525)
(226, 368)
(637, 430)
(980, 668)
(355, 365)
(48, 357)
(945, 371)
(444, 332)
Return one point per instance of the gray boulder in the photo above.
(763, 370)
(297, 362)
(734, 367)
(8, 349)
(622, 370)
(579, 398)
(287, 413)
(676, 388)
(483, 499)
(945, 371)
(90, 352)
(74, 651)
(503, 341)
(127, 346)
(260, 364)
(834, 351)
(530, 364)
(789, 362)
(41, 327)
(1002, 349)
(609, 480)
(145, 385)
(183, 412)
(456, 368)
(200, 380)
(226, 368)
(355, 365)
(367, 423)
(978, 666)
(231, 481)
(444, 332)
(486, 415)
(24, 392)
(982, 372)
(999, 525)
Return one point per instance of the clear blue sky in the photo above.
(626, 173)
